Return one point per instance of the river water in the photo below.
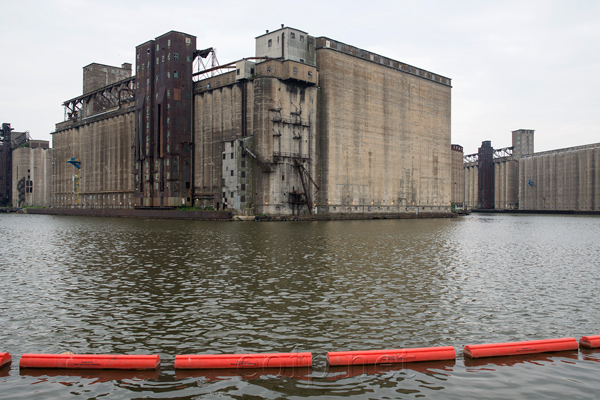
(134, 286)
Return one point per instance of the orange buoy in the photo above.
(590, 342)
(5, 359)
(391, 356)
(515, 348)
(264, 360)
(90, 361)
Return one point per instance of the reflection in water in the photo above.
(102, 285)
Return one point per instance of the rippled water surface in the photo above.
(131, 286)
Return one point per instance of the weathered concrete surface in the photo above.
(506, 187)
(272, 115)
(563, 179)
(384, 136)
(32, 175)
(458, 176)
(104, 145)
(471, 184)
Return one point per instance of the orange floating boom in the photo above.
(261, 360)
(4, 359)
(90, 361)
(391, 356)
(590, 342)
(516, 348)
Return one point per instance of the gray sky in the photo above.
(513, 64)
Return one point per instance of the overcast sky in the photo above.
(513, 64)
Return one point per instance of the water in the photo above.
(129, 286)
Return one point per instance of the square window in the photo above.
(175, 56)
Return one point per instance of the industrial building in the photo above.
(32, 174)
(306, 126)
(517, 178)
(10, 141)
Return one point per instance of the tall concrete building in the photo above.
(308, 125)
(384, 134)
(32, 174)
(163, 123)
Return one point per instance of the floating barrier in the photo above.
(590, 342)
(515, 348)
(391, 356)
(264, 360)
(90, 361)
(4, 359)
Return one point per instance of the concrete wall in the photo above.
(564, 179)
(32, 174)
(384, 135)
(271, 115)
(471, 171)
(104, 145)
(458, 177)
(506, 188)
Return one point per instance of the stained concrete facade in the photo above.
(457, 197)
(255, 138)
(564, 179)
(506, 193)
(471, 170)
(32, 174)
(163, 128)
(104, 148)
(384, 134)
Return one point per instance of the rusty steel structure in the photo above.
(163, 127)
(109, 97)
